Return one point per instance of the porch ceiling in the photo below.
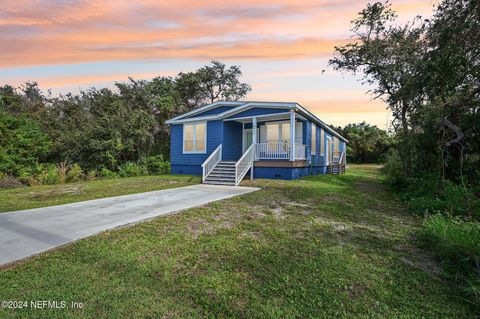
(265, 118)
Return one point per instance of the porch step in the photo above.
(225, 167)
(219, 183)
(224, 170)
(221, 175)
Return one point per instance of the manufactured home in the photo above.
(226, 141)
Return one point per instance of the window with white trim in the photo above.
(313, 147)
(336, 145)
(194, 137)
(322, 141)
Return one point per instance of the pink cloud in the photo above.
(55, 31)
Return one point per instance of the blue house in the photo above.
(224, 141)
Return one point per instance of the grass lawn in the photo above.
(49, 195)
(319, 247)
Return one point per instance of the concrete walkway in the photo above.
(29, 232)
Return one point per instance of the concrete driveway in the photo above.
(29, 232)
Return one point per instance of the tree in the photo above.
(426, 71)
(22, 145)
(218, 82)
(390, 59)
(366, 143)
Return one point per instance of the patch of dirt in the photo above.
(227, 224)
(419, 259)
(199, 227)
(354, 290)
(250, 234)
(336, 226)
(66, 190)
(173, 182)
(332, 198)
(426, 265)
(295, 204)
(278, 212)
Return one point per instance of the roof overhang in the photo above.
(244, 106)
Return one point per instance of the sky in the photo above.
(282, 46)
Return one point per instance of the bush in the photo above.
(156, 165)
(394, 170)
(130, 169)
(48, 175)
(106, 173)
(457, 242)
(91, 175)
(74, 174)
(427, 195)
(8, 181)
(62, 169)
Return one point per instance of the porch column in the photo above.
(292, 135)
(254, 143)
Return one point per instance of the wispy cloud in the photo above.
(277, 33)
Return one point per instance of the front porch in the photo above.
(272, 135)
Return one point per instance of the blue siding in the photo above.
(214, 138)
(232, 141)
(257, 111)
(229, 134)
(186, 169)
(214, 111)
(285, 172)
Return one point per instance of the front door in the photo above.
(248, 138)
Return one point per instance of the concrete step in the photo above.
(219, 183)
(220, 180)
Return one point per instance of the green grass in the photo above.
(319, 247)
(48, 195)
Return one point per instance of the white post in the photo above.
(254, 143)
(292, 135)
(243, 137)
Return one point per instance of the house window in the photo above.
(336, 145)
(313, 148)
(194, 137)
(278, 133)
(322, 142)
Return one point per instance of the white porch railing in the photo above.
(211, 161)
(244, 164)
(278, 151)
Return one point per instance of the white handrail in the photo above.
(244, 164)
(211, 161)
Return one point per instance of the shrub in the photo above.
(426, 194)
(62, 169)
(106, 173)
(49, 175)
(91, 175)
(75, 173)
(156, 165)
(394, 170)
(132, 169)
(8, 181)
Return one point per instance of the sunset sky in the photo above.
(282, 46)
